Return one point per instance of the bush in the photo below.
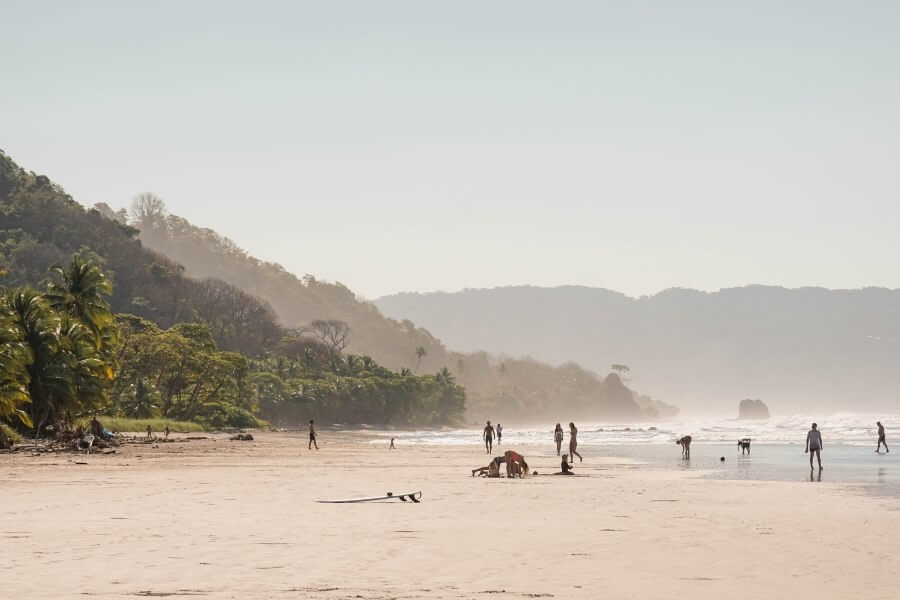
(11, 434)
(220, 414)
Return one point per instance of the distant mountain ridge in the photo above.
(794, 348)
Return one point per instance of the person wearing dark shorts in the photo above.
(488, 437)
(881, 439)
(312, 435)
(814, 445)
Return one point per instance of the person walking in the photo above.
(573, 442)
(499, 433)
(488, 436)
(558, 437)
(312, 435)
(881, 439)
(814, 445)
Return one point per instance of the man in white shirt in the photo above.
(814, 445)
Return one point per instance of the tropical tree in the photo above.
(79, 289)
(50, 380)
(14, 357)
(420, 353)
(143, 402)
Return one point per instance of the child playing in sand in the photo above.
(565, 466)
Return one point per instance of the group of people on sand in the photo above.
(515, 462)
(515, 466)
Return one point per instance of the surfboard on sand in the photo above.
(414, 497)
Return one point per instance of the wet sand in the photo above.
(221, 519)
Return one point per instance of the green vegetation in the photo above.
(213, 350)
(124, 424)
(199, 351)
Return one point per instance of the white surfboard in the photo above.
(414, 497)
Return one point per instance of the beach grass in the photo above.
(140, 425)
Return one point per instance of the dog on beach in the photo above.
(685, 443)
(744, 445)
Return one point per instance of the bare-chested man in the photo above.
(488, 437)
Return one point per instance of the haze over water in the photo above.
(776, 454)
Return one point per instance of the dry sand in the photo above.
(222, 519)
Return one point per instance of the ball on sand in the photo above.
(722, 458)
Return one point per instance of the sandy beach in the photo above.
(220, 519)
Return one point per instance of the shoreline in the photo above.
(216, 518)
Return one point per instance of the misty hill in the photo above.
(797, 349)
(497, 386)
(200, 276)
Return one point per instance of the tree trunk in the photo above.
(4, 441)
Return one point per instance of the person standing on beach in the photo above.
(558, 438)
(573, 442)
(149, 432)
(499, 433)
(312, 435)
(814, 445)
(392, 444)
(881, 439)
(488, 437)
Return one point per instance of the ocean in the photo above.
(777, 448)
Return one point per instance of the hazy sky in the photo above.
(439, 145)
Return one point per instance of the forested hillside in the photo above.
(168, 272)
(91, 321)
(498, 386)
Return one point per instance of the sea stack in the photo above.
(753, 409)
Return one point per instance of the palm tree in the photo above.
(444, 376)
(420, 354)
(14, 357)
(79, 290)
(50, 380)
